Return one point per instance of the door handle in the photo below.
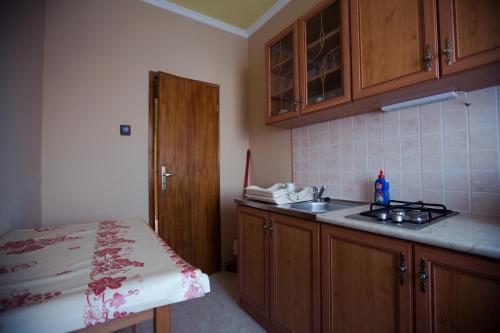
(164, 175)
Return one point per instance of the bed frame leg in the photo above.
(162, 319)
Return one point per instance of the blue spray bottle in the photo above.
(382, 195)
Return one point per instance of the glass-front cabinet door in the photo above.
(282, 75)
(324, 56)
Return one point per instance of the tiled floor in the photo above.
(217, 311)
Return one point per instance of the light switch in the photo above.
(125, 130)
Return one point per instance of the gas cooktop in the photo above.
(405, 214)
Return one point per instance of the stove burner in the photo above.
(416, 216)
(382, 215)
(397, 215)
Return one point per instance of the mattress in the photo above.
(63, 278)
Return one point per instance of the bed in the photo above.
(92, 277)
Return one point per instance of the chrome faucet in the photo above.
(317, 193)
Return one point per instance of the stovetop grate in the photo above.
(434, 211)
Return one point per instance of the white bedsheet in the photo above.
(63, 278)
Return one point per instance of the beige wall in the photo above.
(21, 61)
(97, 58)
(271, 147)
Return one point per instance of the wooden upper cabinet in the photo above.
(253, 263)
(325, 60)
(366, 282)
(295, 275)
(455, 292)
(394, 44)
(282, 75)
(469, 33)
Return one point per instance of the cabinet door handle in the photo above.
(448, 51)
(423, 275)
(402, 268)
(271, 228)
(295, 105)
(428, 58)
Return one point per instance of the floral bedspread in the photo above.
(63, 278)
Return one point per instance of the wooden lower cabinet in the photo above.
(456, 293)
(367, 282)
(253, 261)
(279, 276)
(303, 276)
(295, 275)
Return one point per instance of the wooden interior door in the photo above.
(187, 129)
(363, 288)
(456, 293)
(295, 275)
(390, 41)
(253, 261)
(469, 33)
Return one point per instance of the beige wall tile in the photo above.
(457, 200)
(431, 118)
(360, 121)
(412, 186)
(374, 125)
(432, 196)
(346, 130)
(359, 134)
(410, 121)
(455, 141)
(432, 161)
(313, 135)
(484, 160)
(391, 124)
(484, 138)
(456, 161)
(432, 143)
(410, 153)
(486, 203)
(483, 109)
(335, 162)
(360, 163)
(395, 184)
(456, 181)
(334, 131)
(454, 115)
(346, 156)
(484, 181)
(420, 159)
(432, 181)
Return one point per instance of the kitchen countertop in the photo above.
(469, 233)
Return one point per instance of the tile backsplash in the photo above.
(443, 152)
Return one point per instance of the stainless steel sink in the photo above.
(320, 207)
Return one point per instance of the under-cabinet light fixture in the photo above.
(420, 101)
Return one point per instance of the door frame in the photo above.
(151, 121)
